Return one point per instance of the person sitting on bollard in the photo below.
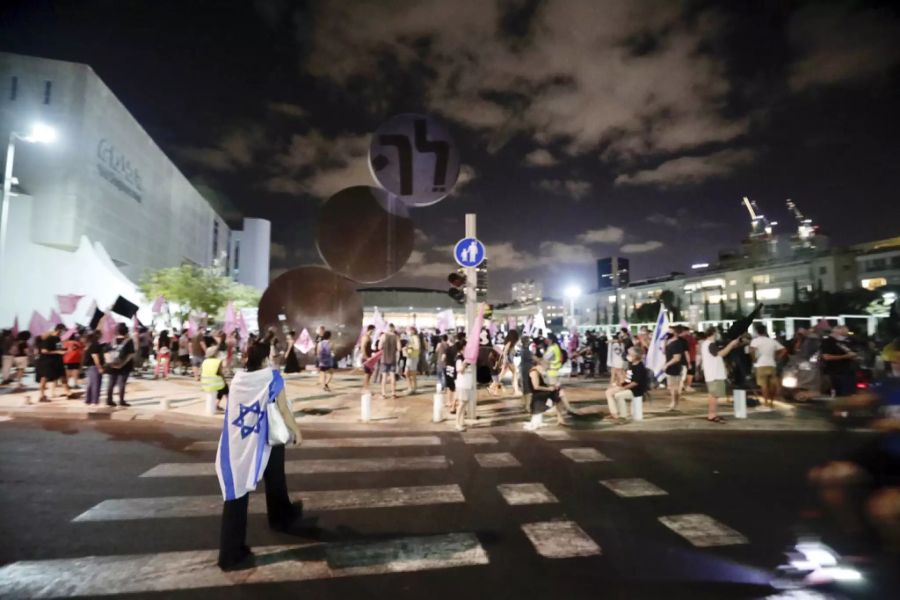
(635, 385)
(212, 376)
(543, 396)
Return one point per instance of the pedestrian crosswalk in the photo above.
(557, 537)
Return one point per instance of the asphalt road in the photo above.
(752, 482)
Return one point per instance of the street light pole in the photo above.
(7, 188)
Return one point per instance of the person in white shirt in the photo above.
(711, 359)
(765, 352)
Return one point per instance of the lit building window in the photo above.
(760, 279)
(764, 294)
(874, 284)
(732, 282)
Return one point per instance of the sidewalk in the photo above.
(340, 409)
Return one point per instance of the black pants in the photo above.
(234, 512)
(117, 378)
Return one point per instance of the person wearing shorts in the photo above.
(390, 350)
(712, 359)
(766, 353)
(635, 384)
(676, 358)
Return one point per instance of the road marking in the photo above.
(633, 488)
(560, 539)
(478, 438)
(702, 530)
(554, 435)
(92, 576)
(497, 460)
(526, 493)
(304, 467)
(356, 442)
(170, 507)
(584, 455)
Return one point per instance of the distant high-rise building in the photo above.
(612, 272)
(527, 292)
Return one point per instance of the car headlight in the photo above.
(789, 381)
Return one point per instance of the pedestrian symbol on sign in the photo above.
(469, 252)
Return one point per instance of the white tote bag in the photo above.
(279, 434)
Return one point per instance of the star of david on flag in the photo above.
(255, 411)
(244, 444)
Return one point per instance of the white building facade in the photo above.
(103, 179)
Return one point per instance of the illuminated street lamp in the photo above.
(572, 292)
(40, 134)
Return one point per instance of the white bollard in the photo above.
(164, 403)
(366, 407)
(211, 403)
(740, 404)
(637, 408)
(437, 411)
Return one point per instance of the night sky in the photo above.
(587, 127)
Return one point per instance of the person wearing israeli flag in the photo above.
(258, 423)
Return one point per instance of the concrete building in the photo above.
(103, 179)
(878, 264)
(527, 292)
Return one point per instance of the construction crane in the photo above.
(805, 227)
(760, 227)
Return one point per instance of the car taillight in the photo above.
(861, 385)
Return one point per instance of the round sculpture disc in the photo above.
(310, 296)
(415, 158)
(365, 233)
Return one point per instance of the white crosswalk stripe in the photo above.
(633, 488)
(526, 493)
(333, 465)
(555, 435)
(560, 539)
(356, 442)
(497, 460)
(169, 507)
(581, 455)
(93, 576)
(476, 438)
(702, 530)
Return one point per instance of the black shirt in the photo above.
(678, 346)
(95, 348)
(51, 344)
(637, 373)
(122, 348)
(836, 347)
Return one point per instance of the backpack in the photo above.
(564, 355)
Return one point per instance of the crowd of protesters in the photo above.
(394, 359)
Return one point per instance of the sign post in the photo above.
(469, 253)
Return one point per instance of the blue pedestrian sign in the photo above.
(468, 252)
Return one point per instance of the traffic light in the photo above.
(457, 283)
(488, 311)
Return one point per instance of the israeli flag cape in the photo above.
(244, 444)
(656, 354)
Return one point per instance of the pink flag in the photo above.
(242, 326)
(304, 343)
(444, 320)
(107, 328)
(15, 327)
(38, 324)
(68, 333)
(373, 360)
(55, 319)
(470, 354)
(623, 324)
(192, 327)
(157, 305)
(68, 303)
(492, 329)
(230, 320)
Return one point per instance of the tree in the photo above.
(194, 288)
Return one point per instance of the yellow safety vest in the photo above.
(554, 359)
(210, 380)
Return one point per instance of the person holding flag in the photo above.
(258, 423)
